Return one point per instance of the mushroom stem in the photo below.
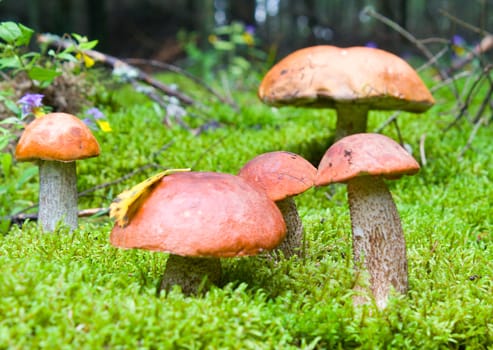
(378, 239)
(351, 119)
(291, 243)
(57, 194)
(193, 275)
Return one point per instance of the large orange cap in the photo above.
(324, 76)
(203, 214)
(56, 136)
(364, 154)
(281, 174)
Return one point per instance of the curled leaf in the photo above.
(126, 203)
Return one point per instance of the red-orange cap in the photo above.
(281, 174)
(203, 214)
(324, 76)
(364, 154)
(56, 136)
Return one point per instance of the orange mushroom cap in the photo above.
(203, 214)
(364, 154)
(324, 76)
(281, 174)
(56, 136)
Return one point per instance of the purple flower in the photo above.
(250, 29)
(95, 113)
(30, 103)
(96, 120)
(457, 40)
(371, 44)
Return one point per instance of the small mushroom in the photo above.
(363, 161)
(199, 217)
(351, 80)
(55, 141)
(283, 175)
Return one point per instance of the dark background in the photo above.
(149, 28)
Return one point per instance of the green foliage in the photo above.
(15, 57)
(231, 54)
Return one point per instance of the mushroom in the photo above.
(283, 175)
(56, 141)
(199, 217)
(363, 161)
(351, 80)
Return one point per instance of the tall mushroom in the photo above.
(351, 80)
(363, 161)
(283, 175)
(55, 141)
(199, 217)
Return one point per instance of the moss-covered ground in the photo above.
(76, 291)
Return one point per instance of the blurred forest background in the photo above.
(154, 28)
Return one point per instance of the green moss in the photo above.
(76, 291)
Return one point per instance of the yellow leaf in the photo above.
(126, 203)
(104, 125)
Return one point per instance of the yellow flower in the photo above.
(104, 125)
(212, 38)
(38, 112)
(88, 61)
(249, 39)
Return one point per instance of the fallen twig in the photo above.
(178, 70)
(473, 133)
(19, 219)
(462, 23)
(115, 62)
(387, 122)
(369, 11)
(467, 101)
(120, 179)
(130, 174)
(422, 152)
(484, 45)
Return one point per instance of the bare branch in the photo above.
(369, 11)
(178, 70)
(463, 24)
(19, 219)
(472, 135)
(422, 152)
(115, 62)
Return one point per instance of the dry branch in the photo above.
(19, 219)
(369, 11)
(115, 62)
(484, 46)
(178, 70)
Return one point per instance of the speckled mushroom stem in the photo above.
(351, 119)
(57, 194)
(378, 239)
(292, 242)
(190, 273)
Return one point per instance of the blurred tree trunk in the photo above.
(203, 15)
(243, 11)
(96, 13)
(395, 10)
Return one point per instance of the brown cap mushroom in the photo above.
(56, 141)
(351, 80)
(283, 175)
(363, 161)
(200, 217)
